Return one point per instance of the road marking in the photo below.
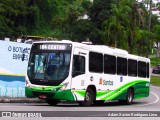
(157, 99)
(155, 87)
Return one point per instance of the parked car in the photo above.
(156, 69)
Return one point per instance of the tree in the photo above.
(114, 27)
(15, 17)
(82, 30)
(156, 31)
(144, 42)
(98, 13)
(126, 27)
(67, 14)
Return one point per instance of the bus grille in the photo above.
(49, 95)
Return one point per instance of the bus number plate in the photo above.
(42, 96)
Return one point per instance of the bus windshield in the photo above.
(49, 65)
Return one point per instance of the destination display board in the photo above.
(52, 46)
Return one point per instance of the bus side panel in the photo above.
(106, 86)
(141, 90)
(140, 87)
(78, 87)
(79, 82)
(113, 87)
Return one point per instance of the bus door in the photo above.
(78, 72)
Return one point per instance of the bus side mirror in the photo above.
(23, 56)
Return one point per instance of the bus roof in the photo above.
(101, 49)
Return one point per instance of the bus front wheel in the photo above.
(89, 96)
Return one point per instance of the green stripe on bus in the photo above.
(119, 93)
(113, 94)
(80, 92)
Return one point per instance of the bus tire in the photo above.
(129, 97)
(89, 97)
(52, 102)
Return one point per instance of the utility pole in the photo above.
(150, 15)
(149, 24)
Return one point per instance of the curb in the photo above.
(21, 100)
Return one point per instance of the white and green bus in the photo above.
(88, 74)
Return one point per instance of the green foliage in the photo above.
(100, 11)
(155, 80)
(156, 31)
(66, 17)
(155, 61)
(126, 28)
(118, 23)
(15, 17)
(82, 30)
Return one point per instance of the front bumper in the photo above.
(59, 95)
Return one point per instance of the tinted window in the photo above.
(147, 70)
(132, 68)
(121, 66)
(78, 64)
(109, 64)
(95, 62)
(51, 66)
(141, 69)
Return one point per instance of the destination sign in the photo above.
(54, 47)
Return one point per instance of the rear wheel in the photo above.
(52, 102)
(88, 101)
(129, 98)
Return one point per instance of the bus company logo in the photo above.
(108, 82)
(100, 81)
(105, 82)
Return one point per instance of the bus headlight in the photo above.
(64, 87)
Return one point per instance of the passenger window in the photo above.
(147, 70)
(132, 68)
(78, 65)
(109, 64)
(121, 66)
(142, 71)
(95, 62)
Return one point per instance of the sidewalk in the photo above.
(20, 100)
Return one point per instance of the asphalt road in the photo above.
(149, 104)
